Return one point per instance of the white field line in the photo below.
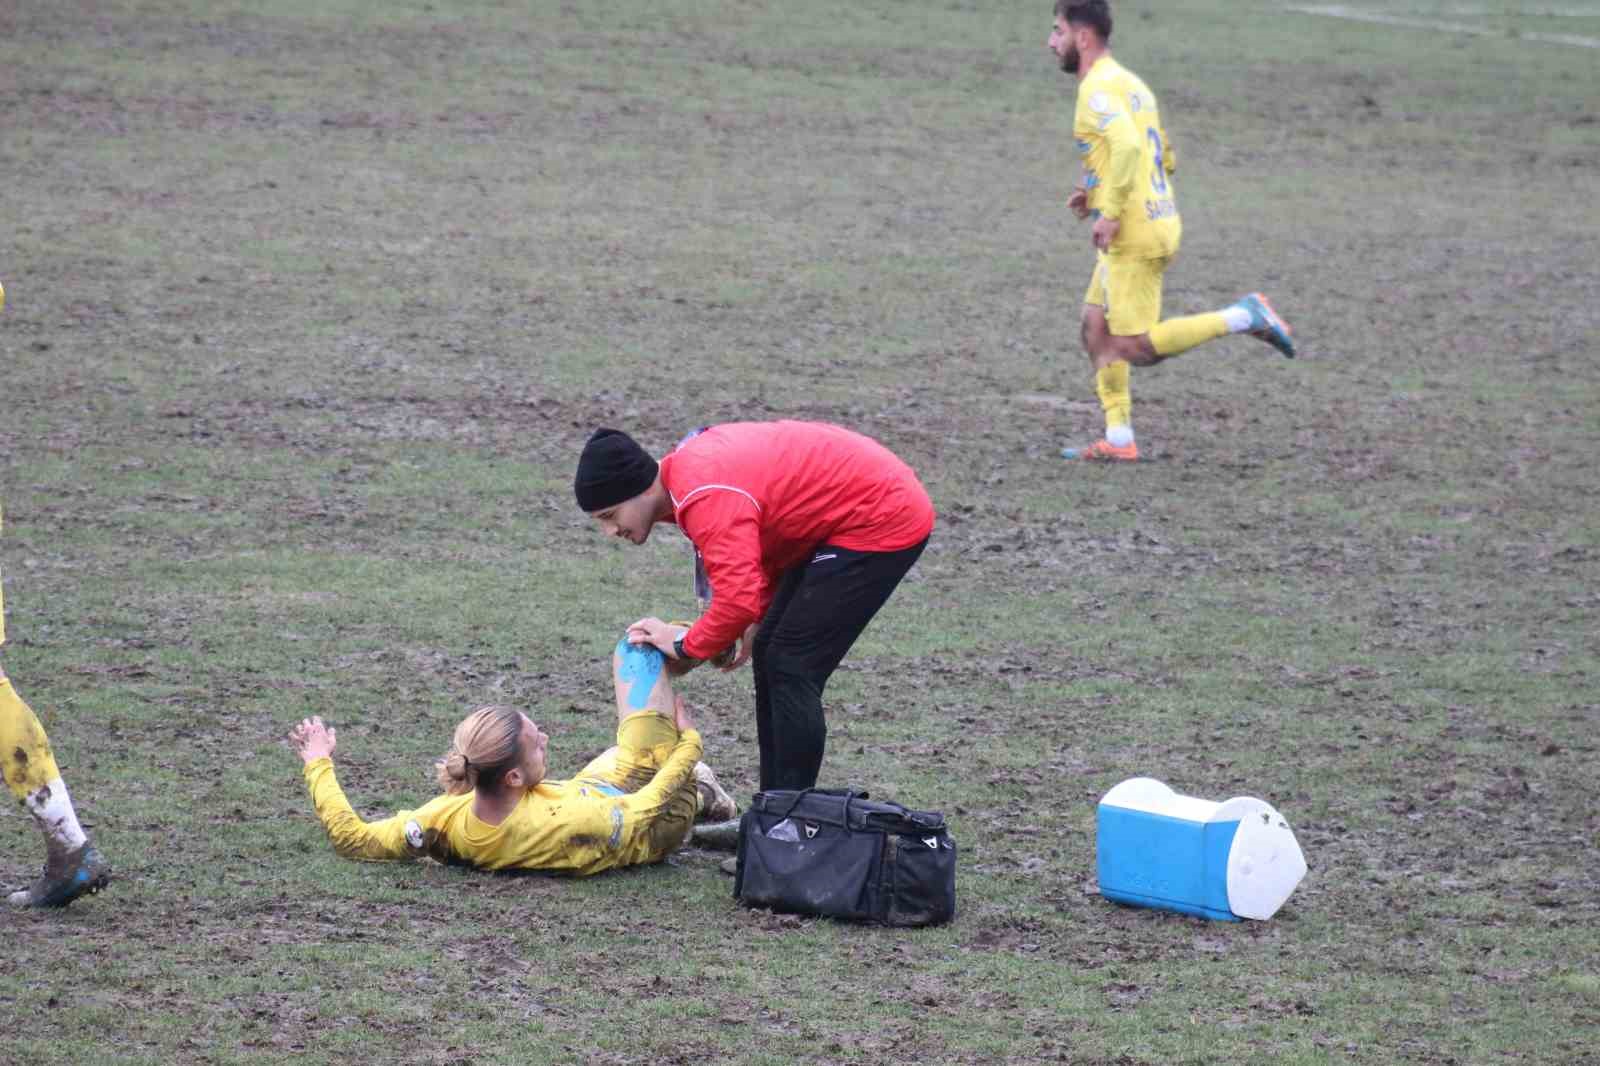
(1532, 13)
(1339, 11)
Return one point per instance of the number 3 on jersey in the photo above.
(1158, 173)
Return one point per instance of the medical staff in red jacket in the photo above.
(804, 530)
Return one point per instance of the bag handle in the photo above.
(848, 794)
(920, 819)
(926, 820)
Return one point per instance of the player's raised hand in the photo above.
(312, 740)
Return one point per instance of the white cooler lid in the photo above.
(1265, 863)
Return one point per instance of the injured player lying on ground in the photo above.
(634, 803)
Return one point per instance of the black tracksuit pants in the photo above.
(821, 607)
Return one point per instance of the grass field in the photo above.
(311, 306)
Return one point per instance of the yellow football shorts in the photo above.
(1130, 292)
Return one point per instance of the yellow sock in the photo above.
(1180, 334)
(1111, 383)
(25, 753)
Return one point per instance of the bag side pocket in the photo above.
(923, 876)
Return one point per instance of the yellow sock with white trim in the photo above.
(1180, 334)
(1111, 382)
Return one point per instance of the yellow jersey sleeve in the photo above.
(352, 837)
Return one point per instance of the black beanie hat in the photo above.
(612, 468)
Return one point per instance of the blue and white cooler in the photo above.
(1231, 860)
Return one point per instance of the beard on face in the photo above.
(1069, 61)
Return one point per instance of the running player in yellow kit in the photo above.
(1128, 189)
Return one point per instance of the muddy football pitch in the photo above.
(310, 307)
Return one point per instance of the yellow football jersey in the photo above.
(569, 827)
(1127, 161)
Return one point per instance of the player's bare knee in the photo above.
(1103, 346)
(1138, 350)
(1092, 329)
(638, 672)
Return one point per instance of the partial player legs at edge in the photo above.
(73, 867)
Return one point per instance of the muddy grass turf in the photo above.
(311, 306)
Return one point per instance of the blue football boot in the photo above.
(1267, 325)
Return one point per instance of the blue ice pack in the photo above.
(1232, 860)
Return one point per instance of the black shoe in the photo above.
(82, 871)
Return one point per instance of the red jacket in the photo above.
(758, 497)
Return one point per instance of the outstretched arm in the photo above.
(352, 838)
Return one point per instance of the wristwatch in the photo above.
(677, 648)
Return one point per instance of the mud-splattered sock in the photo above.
(31, 773)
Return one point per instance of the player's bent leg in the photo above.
(73, 866)
(646, 732)
(1105, 347)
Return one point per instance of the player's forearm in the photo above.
(677, 770)
(351, 837)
